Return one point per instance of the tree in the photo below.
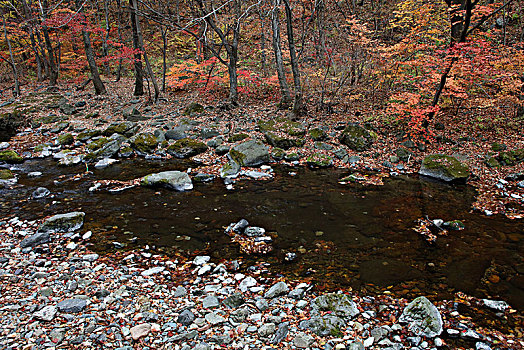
(285, 99)
(95, 76)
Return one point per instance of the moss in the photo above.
(144, 143)
(10, 157)
(97, 144)
(492, 162)
(49, 119)
(6, 174)
(186, 147)
(92, 115)
(317, 134)
(84, 136)
(237, 156)
(449, 165)
(66, 139)
(278, 154)
(265, 126)
(283, 142)
(507, 158)
(237, 137)
(357, 138)
(497, 147)
(318, 160)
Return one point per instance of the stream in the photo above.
(344, 236)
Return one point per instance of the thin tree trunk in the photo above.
(142, 47)
(298, 105)
(232, 69)
(97, 82)
(285, 99)
(106, 38)
(53, 67)
(13, 64)
(119, 29)
(164, 58)
(139, 72)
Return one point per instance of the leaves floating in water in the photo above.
(429, 230)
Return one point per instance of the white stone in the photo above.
(140, 331)
(368, 342)
(201, 260)
(152, 271)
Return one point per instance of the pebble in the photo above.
(47, 313)
(140, 331)
(72, 305)
(210, 301)
(152, 271)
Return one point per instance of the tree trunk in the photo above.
(298, 105)
(232, 68)
(141, 45)
(53, 67)
(13, 64)
(106, 38)
(97, 82)
(119, 29)
(285, 99)
(164, 58)
(139, 72)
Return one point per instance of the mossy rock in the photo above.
(292, 157)
(278, 154)
(492, 162)
(186, 148)
(50, 119)
(66, 139)
(443, 167)
(84, 136)
(249, 153)
(95, 145)
(193, 108)
(10, 157)
(507, 158)
(237, 137)
(10, 123)
(92, 115)
(403, 154)
(6, 174)
(144, 143)
(497, 147)
(126, 128)
(231, 168)
(357, 138)
(266, 125)
(318, 134)
(319, 160)
(455, 225)
(283, 142)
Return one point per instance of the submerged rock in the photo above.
(423, 318)
(176, 180)
(442, 167)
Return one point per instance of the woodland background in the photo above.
(403, 62)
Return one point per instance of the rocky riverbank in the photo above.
(57, 294)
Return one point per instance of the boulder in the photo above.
(126, 128)
(144, 143)
(36, 240)
(186, 148)
(327, 325)
(249, 153)
(442, 167)
(193, 108)
(176, 180)
(176, 133)
(339, 304)
(318, 134)
(231, 168)
(357, 137)
(10, 122)
(66, 139)
(72, 305)
(276, 290)
(423, 318)
(63, 222)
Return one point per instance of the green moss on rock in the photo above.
(444, 167)
(10, 157)
(186, 148)
(66, 139)
(317, 134)
(283, 142)
(6, 174)
(492, 162)
(97, 144)
(237, 137)
(357, 138)
(319, 160)
(193, 108)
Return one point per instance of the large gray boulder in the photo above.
(423, 318)
(63, 222)
(249, 153)
(340, 304)
(324, 325)
(144, 143)
(446, 168)
(176, 180)
(186, 148)
(357, 137)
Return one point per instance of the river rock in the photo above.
(340, 304)
(140, 331)
(72, 305)
(47, 313)
(209, 302)
(70, 160)
(303, 340)
(177, 180)
(186, 148)
(446, 168)
(36, 239)
(423, 318)
(40, 192)
(63, 222)
(186, 317)
(276, 290)
(231, 168)
(126, 128)
(175, 133)
(267, 329)
(497, 305)
(249, 153)
(357, 138)
(105, 162)
(283, 142)
(324, 325)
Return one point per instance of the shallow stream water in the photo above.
(345, 236)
